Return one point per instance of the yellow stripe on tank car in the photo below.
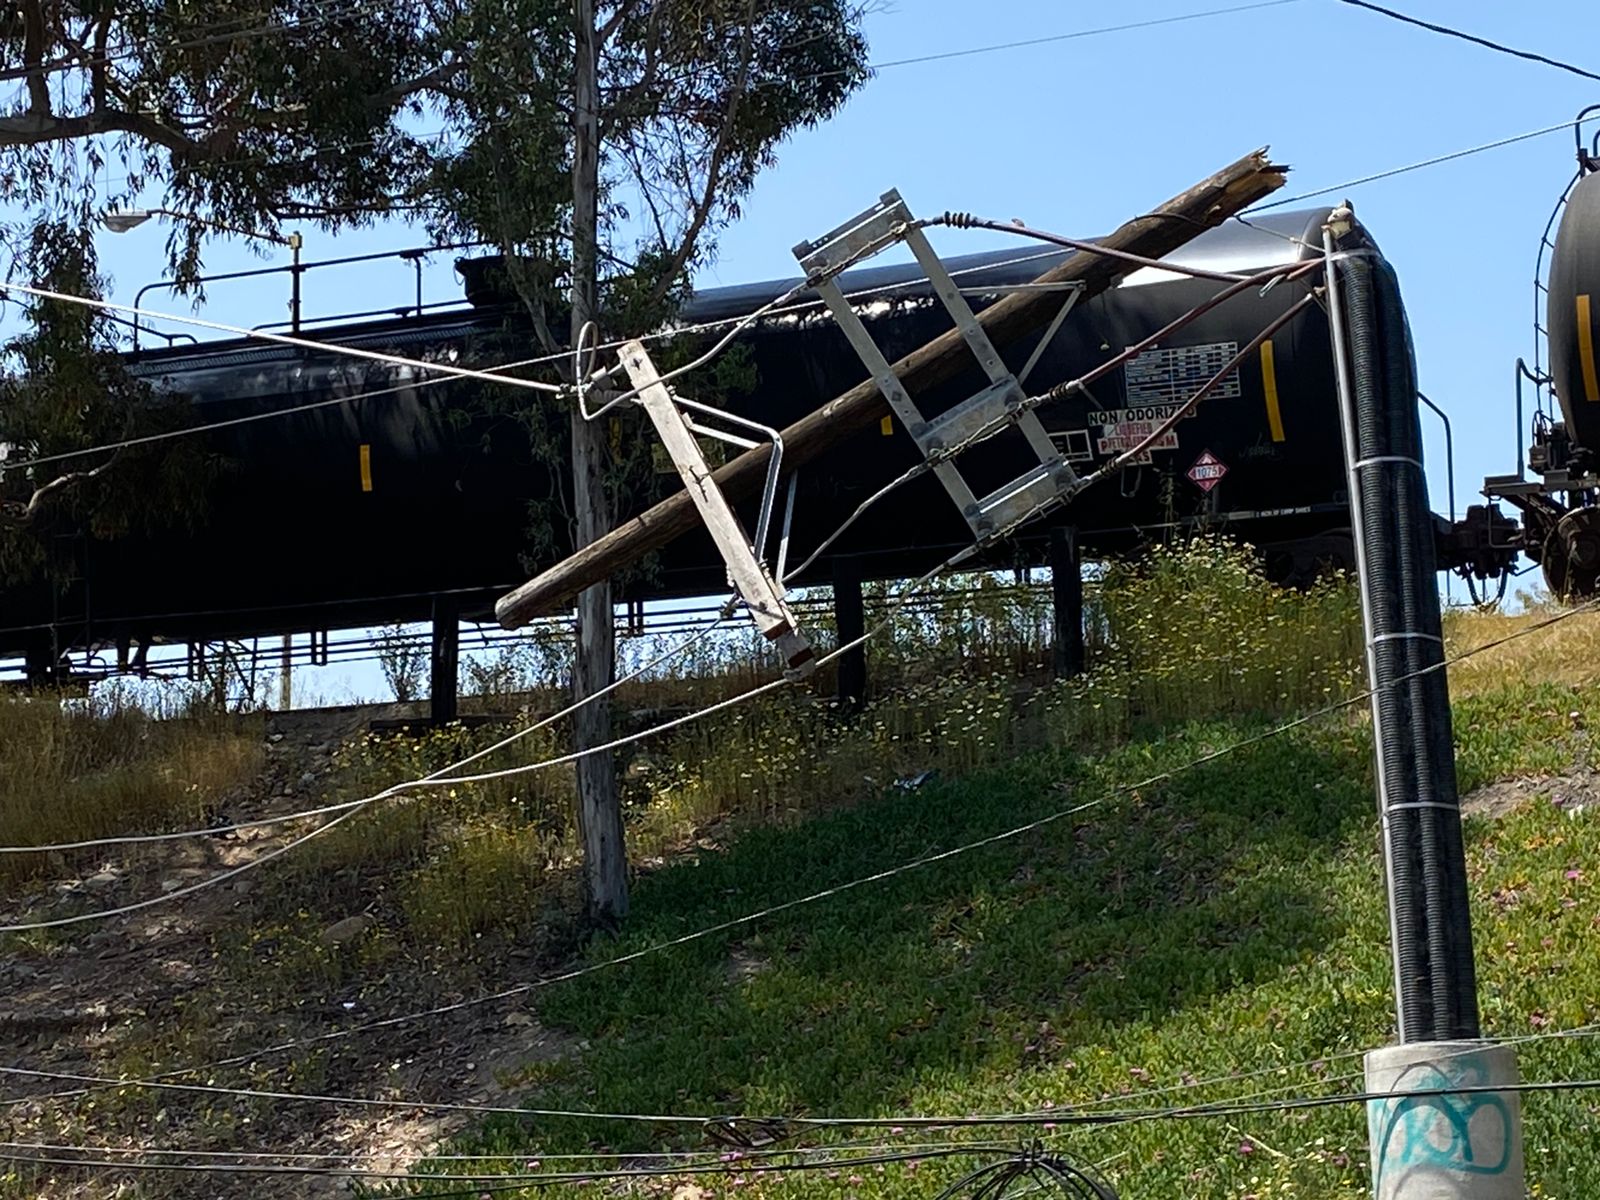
(1269, 380)
(366, 467)
(1591, 381)
(886, 427)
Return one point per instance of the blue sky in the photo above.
(1078, 135)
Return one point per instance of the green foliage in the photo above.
(245, 115)
(63, 386)
(241, 112)
(693, 100)
(1195, 631)
(403, 659)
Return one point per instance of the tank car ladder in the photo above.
(1000, 406)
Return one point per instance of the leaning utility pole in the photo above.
(1157, 233)
(1462, 1146)
(594, 661)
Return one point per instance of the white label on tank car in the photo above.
(1121, 429)
(1173, 375)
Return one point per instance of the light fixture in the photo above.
(122, 222)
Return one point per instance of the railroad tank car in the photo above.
(1557, 487)
(379, 490)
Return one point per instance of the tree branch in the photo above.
(17, 513)
(33, 38)
(719, 154)
(617, 19)
(33, 128)
(647, 74)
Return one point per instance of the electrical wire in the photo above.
(529, 1179)
(345, 1156)
(825, 894)
(1498, 47)
(966, 220)
(1079, 1116)
(1416, 166)
(1051, 39)
(659, 335)
(1579, 1031)
(440, 777)
(284, 339)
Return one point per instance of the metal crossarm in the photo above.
(761, 593)
(1001, 405)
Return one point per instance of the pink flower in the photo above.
(1247, 1147)
(1574, 874)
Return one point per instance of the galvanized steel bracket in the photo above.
(1000, 406)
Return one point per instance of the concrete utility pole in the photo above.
(594, 663)
(1426, 1143)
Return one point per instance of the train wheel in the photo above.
(1572, 555)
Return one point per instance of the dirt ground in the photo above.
(102, 991)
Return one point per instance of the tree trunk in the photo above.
(594, 666)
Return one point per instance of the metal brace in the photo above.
(763, 596)
(1001, 405)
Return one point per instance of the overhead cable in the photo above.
(1498, 47)
(1390, 173)
(439, 778)
(830, 892)
(442, 777)
(285, 339)
(674, 331)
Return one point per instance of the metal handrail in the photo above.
(402, 312)
(414, 254)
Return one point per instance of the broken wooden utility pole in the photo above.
(1209, 203)
(605, 862)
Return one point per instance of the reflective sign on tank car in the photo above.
(1207, 471)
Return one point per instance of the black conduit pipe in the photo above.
(1450, 928)
(1433, 944)
(1413, 985)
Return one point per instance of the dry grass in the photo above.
(1566, 654)
(100, 769)
(1189, 633)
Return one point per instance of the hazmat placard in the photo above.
(1207, 471)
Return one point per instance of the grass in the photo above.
(466, 871)
(1229, 919)
(103, 768)
(1226, 921)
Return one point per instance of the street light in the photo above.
(123, 220)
